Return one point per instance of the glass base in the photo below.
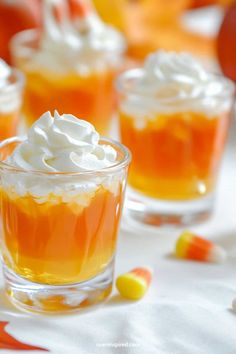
(169, 214)
(60, 298)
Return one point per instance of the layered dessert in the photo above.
(61, 202)
(174, 117)
(71, 65)
(11, 83)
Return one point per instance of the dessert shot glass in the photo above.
(10, 102)
(70, 66)
(58, 239)
(176, 144)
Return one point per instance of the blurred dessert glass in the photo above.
(174, 118)
(61, 196)
(11, 85)
(71, 65)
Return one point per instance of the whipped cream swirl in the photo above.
(62, 143)
(171, 82)
(170, 75)
(77, 43)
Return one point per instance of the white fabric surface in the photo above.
(186, 311)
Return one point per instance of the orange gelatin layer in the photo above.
(175, 156)
(88, 97)
(8, 124)
(59, 243)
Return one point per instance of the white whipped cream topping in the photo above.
(80, 44)
(9, 98)
(62, 143)
(171, 82)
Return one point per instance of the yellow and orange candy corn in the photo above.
(134, 284)
(193, 247)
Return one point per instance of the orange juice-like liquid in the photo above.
(8, 124)
(175, 156)
(59, 243)
(88, 97)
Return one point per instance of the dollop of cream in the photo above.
(62, 143)
(75, 43)
(174, 82)
(173, 75)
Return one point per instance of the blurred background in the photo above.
(191, 25)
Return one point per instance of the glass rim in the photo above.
(17, 83)
(121, 85)
(32, 34)
(124, 162)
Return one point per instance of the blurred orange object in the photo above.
(225, 2)
(173, 37)
(200, 3)
(16, 16)
(133, 16)
(153, 24)
(226, 43)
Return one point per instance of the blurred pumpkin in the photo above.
(226, 43)
(16, 16)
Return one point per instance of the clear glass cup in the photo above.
(176, 152)
(87, 93)
(10, 104)
(59, 233)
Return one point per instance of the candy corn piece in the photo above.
(134, 284)
(191, 246)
